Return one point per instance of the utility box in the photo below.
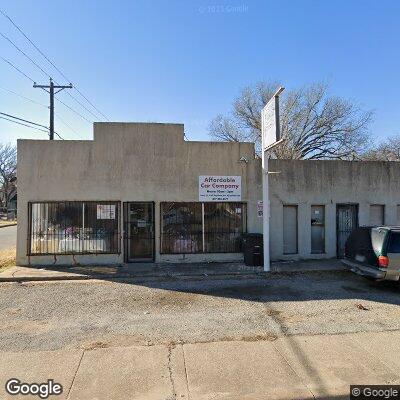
(253, 249)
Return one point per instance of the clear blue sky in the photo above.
(185, 61)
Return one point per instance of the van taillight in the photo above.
(383, 261)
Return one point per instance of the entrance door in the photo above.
(139, 232)
(346, 221)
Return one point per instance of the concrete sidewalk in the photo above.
(160, 271)
(302, 367)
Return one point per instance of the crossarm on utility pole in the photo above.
(50, 90)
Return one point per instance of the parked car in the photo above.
(374, 252)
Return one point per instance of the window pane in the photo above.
(181, 228)
(377, 239)
(74, 227)
(100, 228)
(394, 243)
(224, 224)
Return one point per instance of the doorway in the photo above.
(139, 231)
(346, 221)
(290, 229)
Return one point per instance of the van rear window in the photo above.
(394, 243)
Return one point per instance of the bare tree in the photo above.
(388, 150)
(315, 125)
(8, 169)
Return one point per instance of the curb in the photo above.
(5, 226)
(128, 278)
(44, 278)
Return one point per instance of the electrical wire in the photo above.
(23, 97)
(29, 122)
(46, 73)
(68, 126)
(48, 60)
(23, 73)
(28, 126)
(28, 77)
(76, 112)
(26, 55)
(42, 105)
(24, 120)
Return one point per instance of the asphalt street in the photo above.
(8, 237)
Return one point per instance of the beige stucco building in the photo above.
(139, 192)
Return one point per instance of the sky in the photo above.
(186, 61)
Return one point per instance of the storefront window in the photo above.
(202, 227)
(223, 227)
(74, 227)
(181, 228)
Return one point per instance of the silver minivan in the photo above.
(374, 252)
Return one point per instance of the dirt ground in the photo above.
(76, 314)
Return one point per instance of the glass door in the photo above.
(139, 232)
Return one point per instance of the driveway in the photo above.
(8, 237)
(76, 314)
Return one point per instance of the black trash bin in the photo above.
(253, 249)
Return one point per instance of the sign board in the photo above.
(270, 124)
(260, 208)
(220, 188)
(105, 211)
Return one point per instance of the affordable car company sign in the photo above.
(220, 188)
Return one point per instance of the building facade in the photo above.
(139, 192)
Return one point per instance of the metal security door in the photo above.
(290, 230)
(317, 229)
(139, 232)
(346, 221)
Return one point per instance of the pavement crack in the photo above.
(186, 374)
(294, 371)
(76, 373)
(171, 378)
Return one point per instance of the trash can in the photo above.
(253, 249)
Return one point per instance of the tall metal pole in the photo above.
(51, 109)
(265, 197)
(51, 91)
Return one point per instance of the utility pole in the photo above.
(50, 89)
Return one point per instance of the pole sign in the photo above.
(220, 188)
(270, 126)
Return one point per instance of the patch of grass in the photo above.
(7, 258)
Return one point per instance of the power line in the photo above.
(52, 93)
(24, 120)
(82, 105)
(45, 73)
(28, 126)
(23, 73)
(48, 60)
(29, 122)
(23, 97)
(76, 112)
(26, 55)
(42, 105)
(28, 77)
(68, 126)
